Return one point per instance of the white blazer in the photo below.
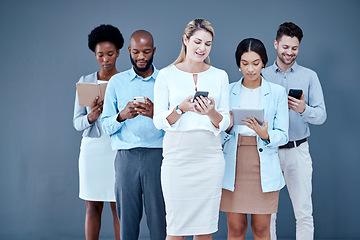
(273, 99)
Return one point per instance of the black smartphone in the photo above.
(296, 93)
(200, 93)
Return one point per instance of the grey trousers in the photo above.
(138, 184)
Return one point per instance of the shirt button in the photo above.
(260, 149)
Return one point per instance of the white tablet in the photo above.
(240, 114)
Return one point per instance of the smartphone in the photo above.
(139, 99)
(200, 93)
(296, 93)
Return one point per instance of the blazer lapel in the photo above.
(264, 96)
(235, 95)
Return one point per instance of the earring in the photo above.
(239, 69)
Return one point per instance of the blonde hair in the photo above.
(191, 28)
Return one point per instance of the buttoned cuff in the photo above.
(86, 122)
(268, 143)
(307, 113)
(226, 136)
(115, 122)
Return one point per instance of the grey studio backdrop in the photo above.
(44, 52)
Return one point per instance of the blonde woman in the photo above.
(193, 164)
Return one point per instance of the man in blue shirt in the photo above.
(139, 143)
(295, 159)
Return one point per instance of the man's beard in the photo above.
(282, 59)
(144, 69)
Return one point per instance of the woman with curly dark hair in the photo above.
(96, 159)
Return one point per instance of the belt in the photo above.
(292, 144)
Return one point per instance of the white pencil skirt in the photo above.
(96, 169)
(191, 176)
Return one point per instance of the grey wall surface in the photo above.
(44, 52)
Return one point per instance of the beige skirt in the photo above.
(191, 177)
(248, 197)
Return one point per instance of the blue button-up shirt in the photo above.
(298, 77)
(136, 132)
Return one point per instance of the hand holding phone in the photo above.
(297, 104)
(143, 106)
(139, 99)
(200, 93)
(295, 93)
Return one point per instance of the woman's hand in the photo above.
(262, 131)
(204, 105)
(187, 105)
(96, 110)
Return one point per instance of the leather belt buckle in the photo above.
(292, 144)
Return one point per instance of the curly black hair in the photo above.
(105, 33)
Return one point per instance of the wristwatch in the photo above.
(178, 111)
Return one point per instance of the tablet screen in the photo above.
(240, 114)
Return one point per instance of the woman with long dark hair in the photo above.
(253, 176)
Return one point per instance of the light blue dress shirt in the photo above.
(136, 132)
(298, 77)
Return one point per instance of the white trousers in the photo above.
(296, 165)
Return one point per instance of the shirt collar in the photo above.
(293, 68)
(134, 75)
